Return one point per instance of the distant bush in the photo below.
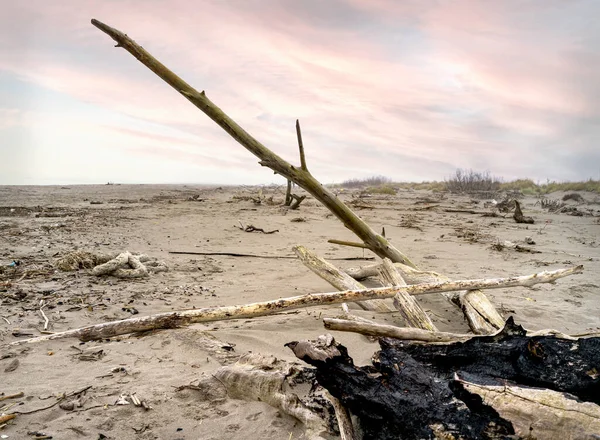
(588, 185)
(382, 189)
(529, 187)
(427, 186)
(526, 186)
(368, 181)
(468, 181)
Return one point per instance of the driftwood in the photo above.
(480, 388)
(299, 175)
(210, 314)
(408, 306)
(267, 379)
(542, 413)
(519, 217)
(377, 243)
(482, 316)
(337, 278)
(342, 416)
(391, 331)
(123, 265)
(370, 328)
(282, 257)
(348, 243)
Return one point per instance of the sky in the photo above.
(410, 89)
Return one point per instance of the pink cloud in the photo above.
(488, 76)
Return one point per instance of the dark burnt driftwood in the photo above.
(519, 217)
(412, 391)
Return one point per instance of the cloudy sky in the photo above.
(408, 89)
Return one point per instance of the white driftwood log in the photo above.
(481, 314)
(209, 314)
(343, 418)
(266, 379)
(391, 331)
(370, 328)
(408, 306)
(541, 413)
(337, 278)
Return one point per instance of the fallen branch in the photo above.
(482, 316)
(370, 328)
(348, 243)
(408, 306)
(391, 331)
(336, 277)
(378, 244)
(297, 200)
(252, 228)
(343, 418)
(6, 417)
(11, 396)
(285, 257)
(536, 412)
(209, 314)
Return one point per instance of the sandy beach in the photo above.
(39, 224)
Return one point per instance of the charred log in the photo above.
(539, 361)
(425, 391)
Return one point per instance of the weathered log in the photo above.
(540, 413)
(369, 328)
(537, 361)
(337, 278)
(266, 379)
(209, 314)
(482, 316)
(459, 390)
(519, 217)
(409, 274)
(395, 400)
(391, 331)
(408, 306)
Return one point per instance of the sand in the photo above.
(40, 224)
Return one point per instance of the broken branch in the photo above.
(209, 314)
(301, 147)
(408, 306)
(378, 244)
(336, 277)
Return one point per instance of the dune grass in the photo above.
(469, 181)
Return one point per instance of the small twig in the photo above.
(283, 257)
(301, 146)
(11, 396)
(60, 399)
(46, 320)
(6, 418)
(348, 243)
